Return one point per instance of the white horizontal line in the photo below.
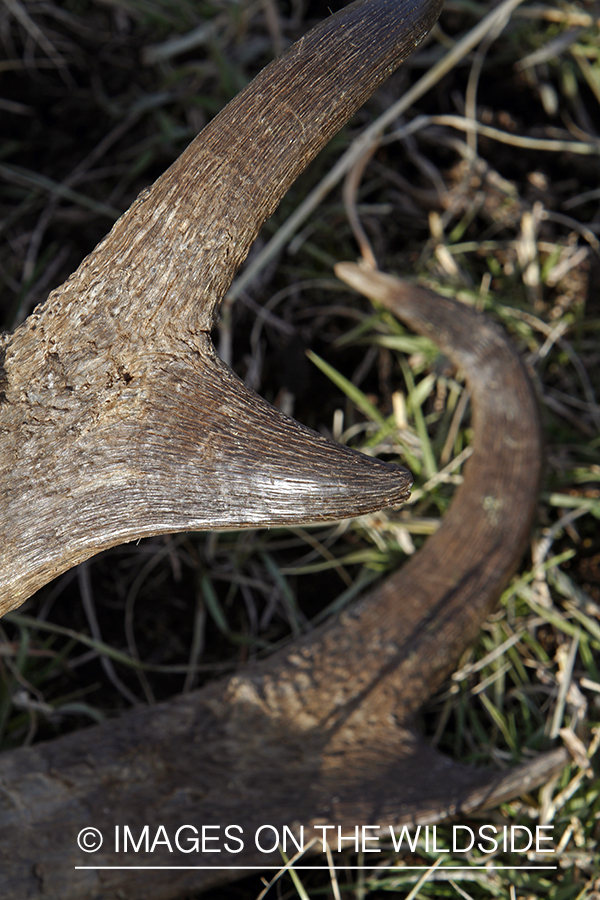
(314, 868)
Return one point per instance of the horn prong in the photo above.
(118, 419)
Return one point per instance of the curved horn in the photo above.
(328, 722)
(117, 419)
(321, 733)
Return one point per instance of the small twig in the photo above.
(335, 888)
(459, 412)
(273, 22)
(489, 658)
(289, 864)
(36, 34)
(440, 477)
(129, 610)
(414, 892)
(197, 646)
(461, 123)
(183, 43)
(370, 136)
(87, 599)
(459, 890)
(549, 50)
(475, 72)
(566, 675)
(350, 191)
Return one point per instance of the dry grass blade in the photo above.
(370, 137)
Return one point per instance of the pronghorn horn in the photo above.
(118, 420)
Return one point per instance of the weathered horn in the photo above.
(322, 733)
(117, 418)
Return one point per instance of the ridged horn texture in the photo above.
(321, 733)
(117, 420)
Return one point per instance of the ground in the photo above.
(96, 100)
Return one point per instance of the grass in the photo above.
(508, 225)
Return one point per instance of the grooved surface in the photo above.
(115, 416)
(117, 421)
(320, 733)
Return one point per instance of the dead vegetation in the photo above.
(96, 99)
